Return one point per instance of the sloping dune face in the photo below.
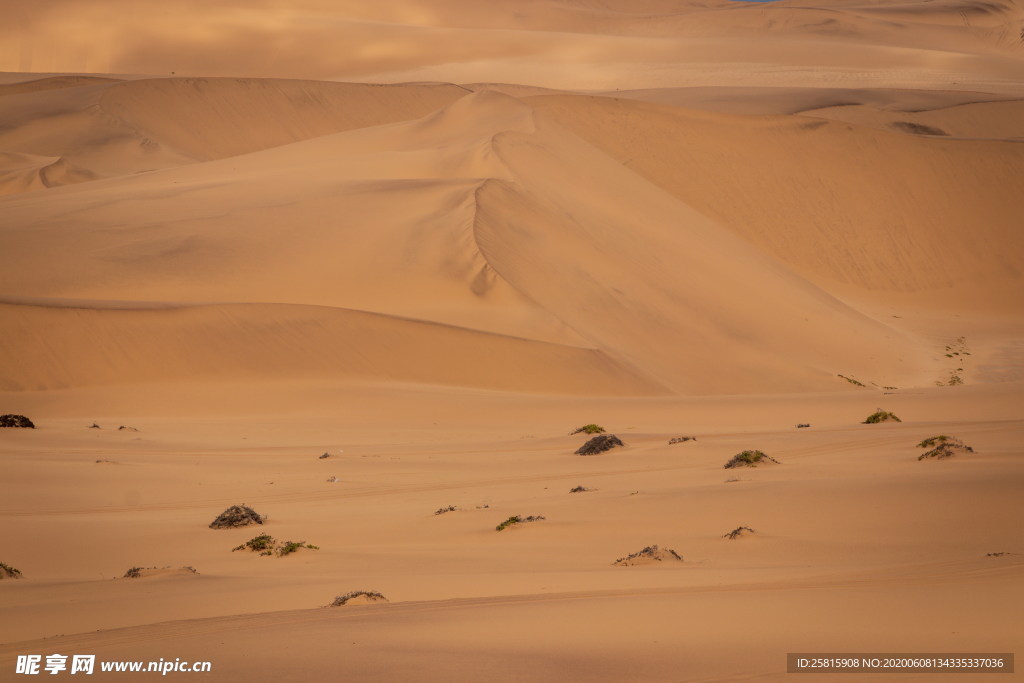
(379, 271)
(486, 215)
(639, 245)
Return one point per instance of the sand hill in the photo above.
(430, 238)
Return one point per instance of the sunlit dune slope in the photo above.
(485, 215)
(59, 347)
(877, 210)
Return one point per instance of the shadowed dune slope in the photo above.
(109, 128)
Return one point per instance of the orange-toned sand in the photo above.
(431, 239)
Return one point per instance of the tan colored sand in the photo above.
(712, 219)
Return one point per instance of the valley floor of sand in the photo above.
(858, 546)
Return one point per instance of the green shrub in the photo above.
(749, 459)
(928, 443)
(257, 543)
(589, 429)
(265, 545)
(516, 519)
(880, 416)
(289, 547)
(942, 447)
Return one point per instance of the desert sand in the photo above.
(364, 267)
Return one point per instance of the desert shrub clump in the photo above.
(516, 519)
(737, 532)
(289, 547)
(588, 429)
(599, 444)
(650, 553)
(9, 572)
(264, 544)
(236, 516)
(18, 422)
(749, 459)
(942, 446)
(881, 416)
(368, 596)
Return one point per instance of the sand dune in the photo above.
(533, 212)
(258, 341)
(904, 203)
(354, 263)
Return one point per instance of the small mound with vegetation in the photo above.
(264, 544)
(16, 421)
(516, 519)
(358, 597)
(9, 572)
(588, 429)
(578, 489)
(441, 511)
(943, 446)
(600, 444)
(236, 516)
(803, 425)
(881, 416)
(738, 532)
(651, 553)
(681, 439)
(289, 547)
(749, 459)
(141, 572)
